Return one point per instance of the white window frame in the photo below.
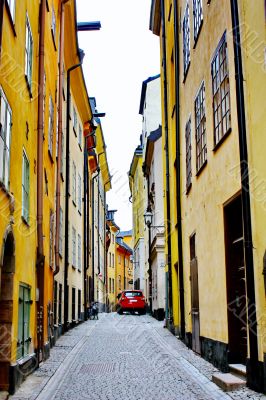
(5, 139)
(80, 136)
(186, 39)
(74, 183)
(25, 186)
(79, 194)
(75, 120)
(51, 126)
(74, 259)
(28, 52)
(197, 17)
(12, 8)
(79, 252)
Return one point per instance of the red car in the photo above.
(131, 300)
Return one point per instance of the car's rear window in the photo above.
(133, 294)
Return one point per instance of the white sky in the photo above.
(118, 58)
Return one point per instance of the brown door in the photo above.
(194, 296)
(236, 282)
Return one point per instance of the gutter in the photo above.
(169, 246)
(254, 370)
(40, 254)
(60, 133)
(178, 180)
(92, 238)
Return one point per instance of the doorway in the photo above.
(6, 308)
(235, 282)
(195, 314)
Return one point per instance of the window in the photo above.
(198, 17)
(79, 193)
(186, 40)
(110, 285)
(200, 123)
(53, 25)
(113, 260)
(79, 252)
(80, 136)
(28, 52)
(119, 259)
(62, 156)
(75, 120)
(113, 238)
(5, 137)
(24, 339)
(12, 7)
(25, 187)
(188, 155)
(74, 184)
(60, 232)
(221, 92)
(74, 247)
(113, 289)
(51, 127)
(51, 240)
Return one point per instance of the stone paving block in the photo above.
(228, 382)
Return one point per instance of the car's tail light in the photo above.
(142, 298)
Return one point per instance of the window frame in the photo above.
(24, 303)
(188, 140)
(197, 18)
(25, 187)
(5, 136)
(79, 252)
(74, 183)
(51, 127)
(201, 145)
(28, 53)
(186, 40)
(220, 78)
(79, 194)
(60, 247)
(74, 251)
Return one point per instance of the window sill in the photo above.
(79, 270)
(79, 212)
(201, 169)
(218, 145)
(25, 221)
(61, 255)
(80, 147)
(50, 156)
(5, 190)
(73, 266)
(28, 86)
(53, 40)
(62, 177)
(74, 203)
(11, 19)
(186, 73)
(75, 131)
(188, 189)
(173, 112)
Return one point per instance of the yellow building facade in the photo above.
(111, 260)
(216, 286)
(18, 143)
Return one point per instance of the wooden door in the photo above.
(195, 314)
(236, 282)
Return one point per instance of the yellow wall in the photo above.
(112, 268)
(23, 110)
(253, 47)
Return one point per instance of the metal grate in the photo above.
(97, 368)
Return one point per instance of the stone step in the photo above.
(228, 381)
(239, 370)
(3, 395)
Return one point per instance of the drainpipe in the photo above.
(59, 134)
(178, 183)
(67, 199)
(40, 255)
(169, 246)
(254, 377)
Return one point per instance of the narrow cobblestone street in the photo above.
(123, 357)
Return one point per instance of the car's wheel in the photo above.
(120, 311)
(142, 312)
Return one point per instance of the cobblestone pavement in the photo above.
(124, 357)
